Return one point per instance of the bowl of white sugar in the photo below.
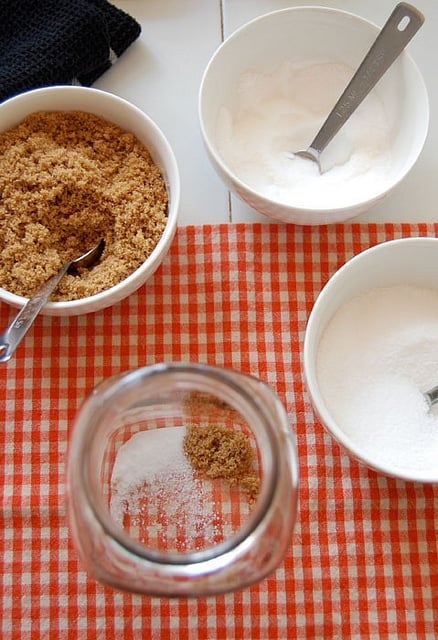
(371, 352)
(268, 89)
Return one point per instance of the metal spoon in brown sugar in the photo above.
(12, 336)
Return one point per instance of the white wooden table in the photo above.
(162, 71)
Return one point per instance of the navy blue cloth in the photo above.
(59, 42)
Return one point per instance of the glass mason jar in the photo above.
(182, 481)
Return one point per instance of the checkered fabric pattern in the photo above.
(363, 559)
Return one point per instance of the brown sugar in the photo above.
(221, 452)
(68, 179)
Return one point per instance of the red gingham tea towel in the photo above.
(363, 559)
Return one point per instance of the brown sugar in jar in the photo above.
(67, 179)
(220, 452)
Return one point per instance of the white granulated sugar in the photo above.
(154, 486)
(278, 113)
(376, 357)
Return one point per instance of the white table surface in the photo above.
(161, 73)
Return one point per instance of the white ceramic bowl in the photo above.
(130, 118)
(306, 36)
(409, 261)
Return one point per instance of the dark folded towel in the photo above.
(59, 42)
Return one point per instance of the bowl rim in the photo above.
(309, 353)
(362, 204)
(113, 294)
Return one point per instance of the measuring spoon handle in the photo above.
(401, 26)
(12, 336)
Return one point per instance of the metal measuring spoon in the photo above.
(431, 396)
(401, 26)
(12, 336)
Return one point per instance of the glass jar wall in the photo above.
(182, 480)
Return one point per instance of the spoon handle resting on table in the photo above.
(399, 29)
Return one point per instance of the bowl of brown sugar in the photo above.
(76, 165)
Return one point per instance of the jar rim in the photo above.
(233, 381)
